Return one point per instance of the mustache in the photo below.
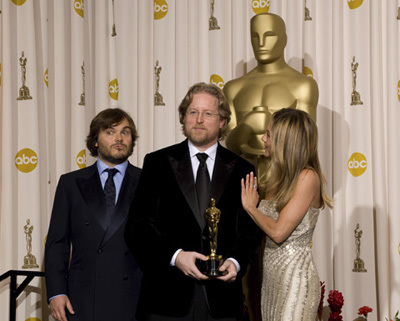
(118, 144)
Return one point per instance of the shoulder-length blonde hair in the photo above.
(294, 147)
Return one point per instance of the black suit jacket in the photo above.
(163, 219)
(102, 279)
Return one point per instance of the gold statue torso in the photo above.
(273, 92)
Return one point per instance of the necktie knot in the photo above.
(111, 172)
(202, 157)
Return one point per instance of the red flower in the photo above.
(335, 316)
(335, 301)
(321, 302)
(364, 310)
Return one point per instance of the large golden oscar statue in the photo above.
(270, 86)
(253, 98)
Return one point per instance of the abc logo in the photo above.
(260, 6)
(19, 2)
(308, 72)
(357, 164)
(160, 9)
(217, 80)
(81, 159)
(353, 4)
(78, 6)
(26, 160)
(398, 90)
(46, 77)
(114, 89)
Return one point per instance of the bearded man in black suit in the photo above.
(166, 228)
(90, 273)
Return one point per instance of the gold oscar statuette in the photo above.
(212, 22)
(82, 102)
(355, 95)
(211, 266)
(24, 90)
(158, 98)
(358, 262)
(29, 258)
(307, 16)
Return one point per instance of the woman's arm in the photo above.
(306, 195)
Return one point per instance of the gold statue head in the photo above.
(268, 37)
(212, 202)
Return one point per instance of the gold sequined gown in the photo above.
(290, 288)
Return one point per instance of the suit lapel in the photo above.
(91, 191)
(223, 167)
(90, 188)
(182, 168)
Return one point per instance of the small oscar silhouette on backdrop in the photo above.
(307, 16)
(82, 102)
(29, 258)
(114, 30)
(358, 262)
(24, 90)
(158, 98)
(355, 95)
(212, 22)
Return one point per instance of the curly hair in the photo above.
(106, 119)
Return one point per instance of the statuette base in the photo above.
(355, 98)
(30, 262)
(24, 93)
(213, 24)
(158, 100)
(359, 266)
(211, 266)
(82, 102)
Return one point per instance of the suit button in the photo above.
(125, 277)
(204, 237)
(86, 223)
(99, 251)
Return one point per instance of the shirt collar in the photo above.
(211, 152)
(101, 167)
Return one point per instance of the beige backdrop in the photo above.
(82, 57)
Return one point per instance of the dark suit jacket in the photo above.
(102, 279)
(163, 219)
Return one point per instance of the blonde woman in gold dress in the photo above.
(288, 215)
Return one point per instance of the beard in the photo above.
(200, 139)
(116, 157)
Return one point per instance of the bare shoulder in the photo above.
(309, 177)
(309, 182)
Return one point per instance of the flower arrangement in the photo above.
(321, 302)
(335, 300)
(396, 317)
(364, 311)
